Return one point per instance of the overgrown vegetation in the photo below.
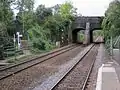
(81, 36)
(111, 22)
(97, 33)
(41, 27)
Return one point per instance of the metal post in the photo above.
(14, 40)
(111, 40)
(119, 48)
(69, 33)
(18, 38)
(15, 46)
(111, 45)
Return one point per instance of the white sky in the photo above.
(85, 7)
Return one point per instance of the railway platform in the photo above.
(109, 73)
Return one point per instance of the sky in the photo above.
(85, 7)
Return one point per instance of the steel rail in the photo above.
(72, 67)
(46, 54)
(88, 75)
(8, 75)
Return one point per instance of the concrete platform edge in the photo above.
(107, 78)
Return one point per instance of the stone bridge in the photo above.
(89, 24)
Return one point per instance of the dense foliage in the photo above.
(6, 17)
(111, 22)
(42, 27)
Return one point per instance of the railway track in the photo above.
(2, 68)
(14, 69)
(77, 77)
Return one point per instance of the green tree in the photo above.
(6, 18)
(40, 38)
(6, 14)
(42, 13)
(26, 15)
(111, 24)
(25, 5)
(68, 13)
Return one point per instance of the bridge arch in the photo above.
(92, 32)
(94, 24)
(74, 34)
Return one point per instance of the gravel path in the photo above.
(28, 79)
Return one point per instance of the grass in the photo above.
(81, 37)
(17, 59)
(24, 57)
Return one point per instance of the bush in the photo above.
(39, 39)
(5, 40)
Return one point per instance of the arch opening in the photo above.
(94, 34)
(78, 35)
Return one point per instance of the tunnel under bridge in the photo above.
(88, 24)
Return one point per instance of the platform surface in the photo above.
(108, 74)
(110, 79)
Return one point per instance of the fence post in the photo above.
(111, 45)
